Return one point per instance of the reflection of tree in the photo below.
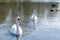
(3, 11)
(27, 9)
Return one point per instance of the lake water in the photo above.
(9, 11)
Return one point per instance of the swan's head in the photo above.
(18, 19)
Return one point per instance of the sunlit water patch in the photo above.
(52, 22)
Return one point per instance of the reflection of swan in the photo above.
(33, 18)
(16, 29)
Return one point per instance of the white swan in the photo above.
(16, 29)
(33, 18)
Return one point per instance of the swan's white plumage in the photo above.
(16, 29)
(34, 18)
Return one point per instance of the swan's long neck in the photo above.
(17, 23)
(17, 26)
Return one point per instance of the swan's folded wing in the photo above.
(13, 29)
(20, 31)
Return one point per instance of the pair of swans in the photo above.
(17, 30)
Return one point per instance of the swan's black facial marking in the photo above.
(18, 19)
